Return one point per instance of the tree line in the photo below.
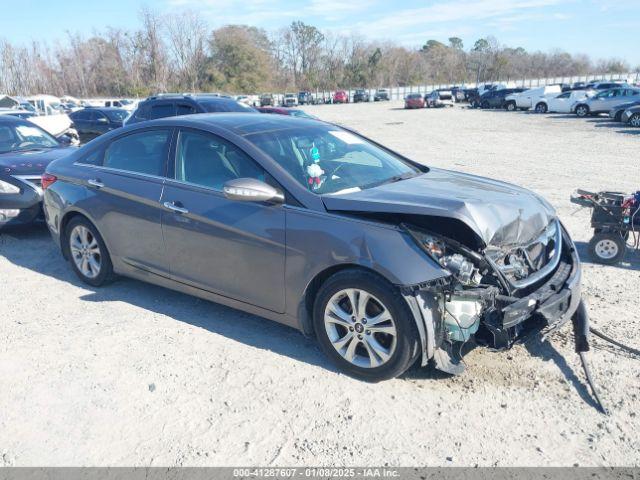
(180, 53)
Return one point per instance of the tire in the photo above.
(607, 248)
(582, 111)
(97, 269)
(541, 107)
(618, 116)
(510, 106)
(484, 105)
(634, 120)
(375, 355)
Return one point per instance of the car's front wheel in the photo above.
(582, 110)
(87, 252)
(634, 121)
(365, 326)
(510, 106)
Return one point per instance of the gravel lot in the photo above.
(133, 374)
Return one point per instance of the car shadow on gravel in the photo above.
(631, 260)
(32, 248)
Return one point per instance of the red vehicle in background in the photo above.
(341, 97)
(414, 100)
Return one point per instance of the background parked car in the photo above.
(604, 101)
(305, 98)
(458, 94)
(25, 151)
(496, 98)
(604, 85)
(631, 116)
(616, 112)
(124, 103)
(472, 95)
(439, 98)
(414, 100)
(381, 94)
(290, 100)
(526, 99)
(360, 95)
(266, 99)
(561, 103)
(161, 106)
(340, 96)
(92, 122)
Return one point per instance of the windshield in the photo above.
(16, 138)
(325, 159)
(116, 115)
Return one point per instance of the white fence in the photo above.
(398, 93)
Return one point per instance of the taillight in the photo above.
(48, 180)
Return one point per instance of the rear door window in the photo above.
(143, 152)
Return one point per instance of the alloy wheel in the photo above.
(85, 251)
(635, 120)
(360, 328)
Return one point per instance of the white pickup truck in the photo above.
(525, 100)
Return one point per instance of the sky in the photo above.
(599, 28)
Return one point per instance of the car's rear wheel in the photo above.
(365, 326)
(510, 106)
(607, 248)
(541, 107)
(634, 121)
(582, 110)
(87, 252)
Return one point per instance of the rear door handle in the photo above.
(95, 182)
(176, 208)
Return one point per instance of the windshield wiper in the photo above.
(394, 179)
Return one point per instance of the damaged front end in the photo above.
(493, 296)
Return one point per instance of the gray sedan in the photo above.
(384, 260)
(604, 101)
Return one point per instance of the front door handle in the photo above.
(176, 208)
(95, 182)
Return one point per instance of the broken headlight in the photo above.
(464, 270)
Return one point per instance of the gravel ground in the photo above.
(134, 374)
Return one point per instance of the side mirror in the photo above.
(251, 190)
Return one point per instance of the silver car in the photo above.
(386, 261)
(604, 101)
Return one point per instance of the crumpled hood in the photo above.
(500, 213)
(31, 162)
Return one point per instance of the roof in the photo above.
(13, 120)
(242, 123)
